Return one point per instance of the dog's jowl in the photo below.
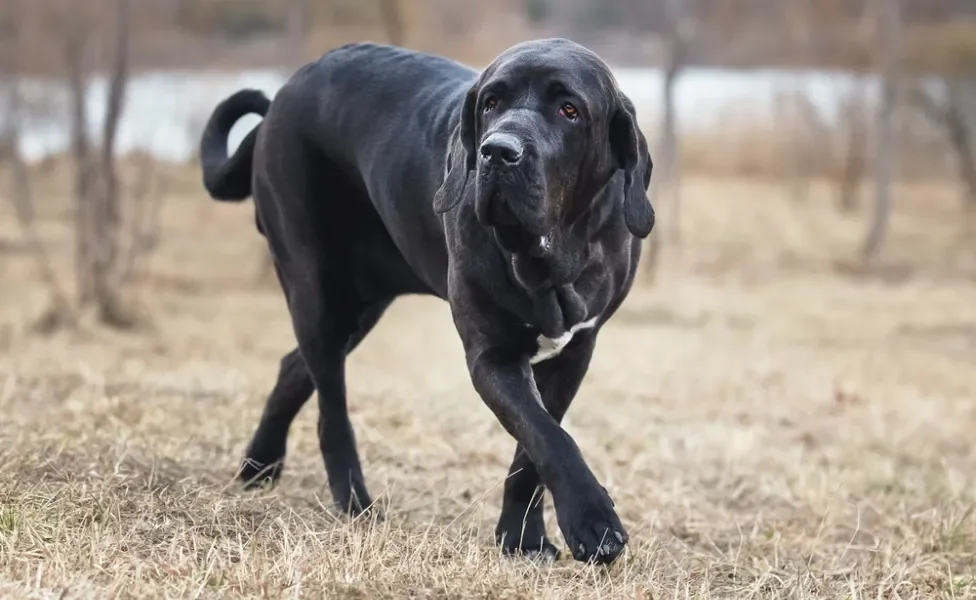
(517, 194)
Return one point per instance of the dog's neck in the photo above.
(541, 263)
(550, 261)
(547, 269)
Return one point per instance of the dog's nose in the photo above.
(502, 149)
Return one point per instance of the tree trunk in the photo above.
(59, 312)
(21, 195)
(855, 152)
(951, 116)
(961, 139)
(798, 160)
(670, 150)
(666, 182)
(802, 112)
(76, 48)
(105, 199)
(889, 21)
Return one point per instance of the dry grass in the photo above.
(768, 426)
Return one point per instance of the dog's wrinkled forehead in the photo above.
(575, 65)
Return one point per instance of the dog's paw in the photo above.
(352, 499)
(592, 529)
(258, 472)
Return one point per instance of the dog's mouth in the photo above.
(500, 213)
(512, 233)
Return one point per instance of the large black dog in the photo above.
(517, 194)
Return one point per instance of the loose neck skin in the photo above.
(559, 258)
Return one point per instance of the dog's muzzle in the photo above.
(502, 150)
(511, 233)
(510, 197)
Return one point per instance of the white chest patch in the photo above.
(549, 348)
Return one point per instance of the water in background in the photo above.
(166, 110)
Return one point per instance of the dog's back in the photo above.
(374, 122)
(380, 96)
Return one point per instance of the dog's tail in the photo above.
(229, 179)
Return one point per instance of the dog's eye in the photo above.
(569, 111)
(490, 103)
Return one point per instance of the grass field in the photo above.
(770, 423)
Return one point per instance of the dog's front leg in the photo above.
(521, 526)
(503, 377)
(584, 510)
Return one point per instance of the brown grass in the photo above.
(769, 423)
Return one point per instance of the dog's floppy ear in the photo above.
(630, 151)
(460, 158)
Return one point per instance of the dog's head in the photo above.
(544, 134)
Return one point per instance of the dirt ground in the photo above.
(769, 421)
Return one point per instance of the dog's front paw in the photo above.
(592, 529)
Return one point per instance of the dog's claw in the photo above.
(594, 532)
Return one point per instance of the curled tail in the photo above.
(229, 178)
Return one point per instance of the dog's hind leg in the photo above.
(327, 320)
(521, 527)
(264, 459)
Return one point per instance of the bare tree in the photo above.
(21, 195)
(680, 32)
(77, 48)
(675, 36)
(106, 202)
(888, 15)
(951, 115)
(854, 110)
(854, 124)
(97, 195)
(60, 311)
(796, 105)
(101, 262)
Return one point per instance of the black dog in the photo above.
(517, 194)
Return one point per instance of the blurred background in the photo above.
(828, 136)
(783, 406)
